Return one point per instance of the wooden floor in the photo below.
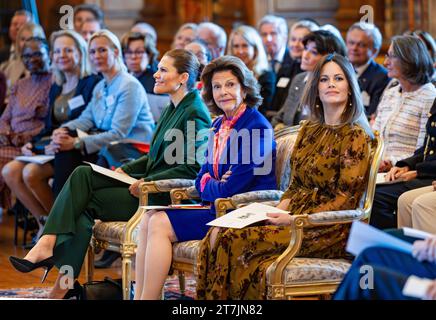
(10, 278)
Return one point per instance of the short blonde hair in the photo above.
(115, 44)
(260, 62)
(81, 45)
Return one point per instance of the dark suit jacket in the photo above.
(146, 78)
(373, 80)
(267, 82)
(288, 111)
(5, 53)
(289, 69)
(424, 158)
(84, 88)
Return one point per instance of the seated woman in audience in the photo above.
(417, 209)
(14, 69)
(185, 35)
(231, 90)
(390, 271)
(24, 115)
(298, 31)
(118, 110)
(140, 56)
(403, 109)
(246, 44)
(203, 54)
(68, 97)
(316, 44)
(329, 163)
(88, 195)
(411, 173)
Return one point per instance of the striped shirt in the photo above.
(401, 120)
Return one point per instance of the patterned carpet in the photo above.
(172, 291)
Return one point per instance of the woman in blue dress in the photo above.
(240, 158)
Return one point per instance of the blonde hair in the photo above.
(36, 30)
(115, 44)
(260, 62)
(81, 45)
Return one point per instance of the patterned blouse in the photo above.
(401, 120)
(28, 106)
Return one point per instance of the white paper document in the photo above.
(112, 174)
(177, 206)
(381, 179)
(245, 216)
(416, 233)
(81, 134)
(416, 287)
(363, 236)
(40, 159)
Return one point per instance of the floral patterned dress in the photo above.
(329, 172)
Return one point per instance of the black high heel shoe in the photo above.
(25, 266)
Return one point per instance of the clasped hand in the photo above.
(61, 140)
(403, 174)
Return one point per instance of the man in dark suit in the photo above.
(363, 43)
(20, 18)
(274, 33)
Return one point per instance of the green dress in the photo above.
(329, 172)
(87, 195)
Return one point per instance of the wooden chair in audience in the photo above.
(121, 236)
(289, 276)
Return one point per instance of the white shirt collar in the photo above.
(361, 69)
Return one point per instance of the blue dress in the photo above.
(250, 154)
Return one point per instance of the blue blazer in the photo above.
(252, 155)
(84, 87)
(373, 80)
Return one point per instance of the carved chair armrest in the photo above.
(222, 205)
(179, 194)
(298, 223)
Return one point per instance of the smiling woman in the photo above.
(24, 116)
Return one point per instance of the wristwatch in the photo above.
(78, 144)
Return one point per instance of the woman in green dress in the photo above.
(88, 195)
(330, 163)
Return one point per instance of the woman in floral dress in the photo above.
(330, 164)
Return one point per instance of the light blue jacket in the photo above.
(119, 108)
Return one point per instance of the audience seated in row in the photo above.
(68, 97)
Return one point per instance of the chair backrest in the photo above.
(157, 104)
(285, 140)
(377, 145)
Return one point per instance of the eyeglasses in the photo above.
(134, 53)
(28, 56)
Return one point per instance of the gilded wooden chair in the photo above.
(185, 253)
(121, 236)
(290, 276)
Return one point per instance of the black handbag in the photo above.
(108, 289)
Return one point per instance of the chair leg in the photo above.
(182, 282)
(89, 264)
(126, 262)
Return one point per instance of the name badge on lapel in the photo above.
(76, 102)
(365, 98)
(110, 100)
(283, 82)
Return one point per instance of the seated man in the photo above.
(391, 269)
(363, 43)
